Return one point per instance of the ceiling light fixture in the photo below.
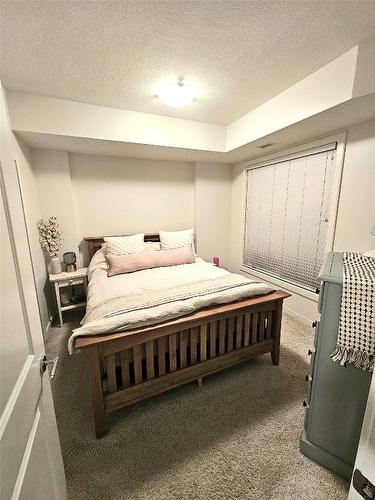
(177, 95)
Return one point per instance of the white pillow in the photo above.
(176, 239)
(121, 245)
(152, 246)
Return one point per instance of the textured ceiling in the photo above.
(112, 53)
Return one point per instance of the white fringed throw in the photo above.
(356, 338)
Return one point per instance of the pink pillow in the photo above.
(128, 263)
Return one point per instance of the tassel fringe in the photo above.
(359, 359)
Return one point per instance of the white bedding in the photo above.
(104, 292)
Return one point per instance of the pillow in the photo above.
(176, 239)
(120, 245)
(98, 261)
(152, 246)
(121, 264)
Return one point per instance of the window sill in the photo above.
(280, 283)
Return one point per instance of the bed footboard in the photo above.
(130, 366)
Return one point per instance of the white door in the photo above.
(31, 463)
(364, 467)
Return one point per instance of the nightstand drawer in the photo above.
(77, 281)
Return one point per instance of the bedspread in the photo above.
(152, 296)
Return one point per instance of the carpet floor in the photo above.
(235, 437)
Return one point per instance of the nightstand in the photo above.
(63, 280)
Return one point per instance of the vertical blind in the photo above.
(287, 212)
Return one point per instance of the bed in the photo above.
(137, 353)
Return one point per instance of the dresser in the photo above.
(336, 395)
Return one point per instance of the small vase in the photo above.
(55, 265)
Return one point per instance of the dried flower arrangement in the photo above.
(50, 235)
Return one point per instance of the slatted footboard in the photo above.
(130, 366)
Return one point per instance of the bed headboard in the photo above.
(94, 243)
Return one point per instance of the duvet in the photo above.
(152, 296)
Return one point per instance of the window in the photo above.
(287, 215)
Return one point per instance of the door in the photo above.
(364, 467)
(31, 463)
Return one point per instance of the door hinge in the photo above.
(52, 363)
(364, 487)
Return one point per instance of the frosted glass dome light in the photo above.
(177, 95)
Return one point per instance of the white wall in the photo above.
(364, 82)
(125, 195)
(356, 211)
(20, 153)
(101, 195)
(212, 205)
(62, 117)
(52, 175)
(33, 214)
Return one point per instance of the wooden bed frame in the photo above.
(126, 367)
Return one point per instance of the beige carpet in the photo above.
(236, 437)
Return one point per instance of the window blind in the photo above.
(287, 215)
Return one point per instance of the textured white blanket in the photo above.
(152, 296)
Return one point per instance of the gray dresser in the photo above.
(336, 395)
